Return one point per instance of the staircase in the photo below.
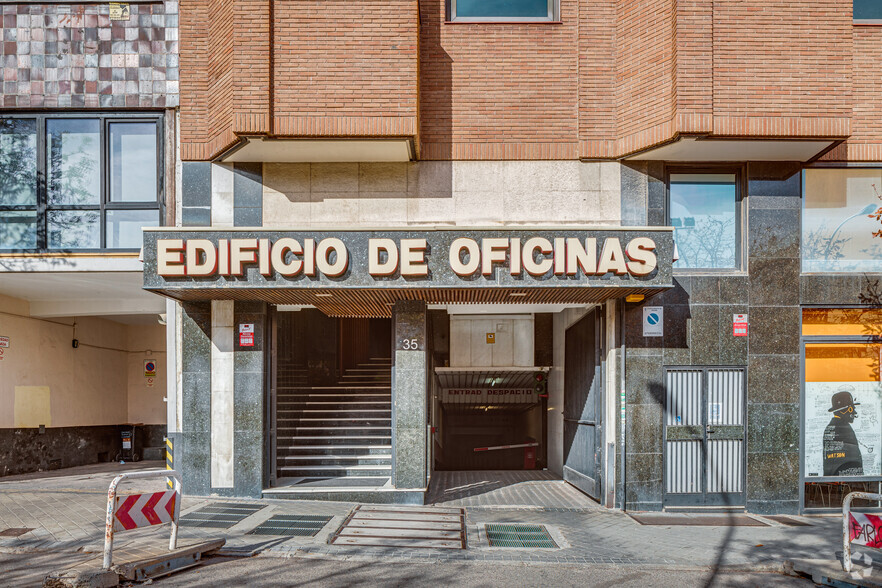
(336, 436)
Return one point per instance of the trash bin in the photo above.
(127, 453)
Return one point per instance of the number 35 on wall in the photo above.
(409, 344)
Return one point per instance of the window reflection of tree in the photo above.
(708, 243)
(18, 183)
(72, 171)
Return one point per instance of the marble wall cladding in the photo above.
(248, 401)
(62, 55)
(409, 408)
(459, 193)
(698, 332)
(193, 446)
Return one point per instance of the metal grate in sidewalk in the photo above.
(221, 515)
(403, 526)
(292, 525)
(517, 535)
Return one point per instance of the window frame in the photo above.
(105, 204)
(553, 16)
(739, 169)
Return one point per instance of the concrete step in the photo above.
(333, 432)
(283, 439)
(303, 461)
(340, 450)
(330, 471)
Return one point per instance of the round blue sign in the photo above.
(652, 318)
(149, 366)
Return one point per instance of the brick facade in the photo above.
(610, 79)
(74, 56)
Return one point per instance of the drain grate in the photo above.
(222, 515)
(515, 535)
(14, 532)
(292, 525)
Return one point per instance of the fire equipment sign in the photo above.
(739, 325)
(4, 342)
(246, 335)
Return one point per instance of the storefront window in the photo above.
(839, 230)
(704, 213)
(94, 182)
(842, 417)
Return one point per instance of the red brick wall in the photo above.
(782, 67)
(345, 68)
(498, 91)
(865, 143)
(612, 78)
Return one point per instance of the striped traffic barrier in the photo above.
(169, 459)
(126, 513)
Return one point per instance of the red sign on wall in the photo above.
(739, 325)
(246, 335)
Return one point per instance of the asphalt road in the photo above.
(271, 571)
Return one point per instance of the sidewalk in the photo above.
(66, 512)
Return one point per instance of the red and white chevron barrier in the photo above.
(144, 510)
(125, 513)
(860, 528)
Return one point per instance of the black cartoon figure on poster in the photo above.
(842, 454)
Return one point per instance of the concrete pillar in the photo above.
(409, 402)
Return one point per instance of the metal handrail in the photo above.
(846, 516)
(111, 500)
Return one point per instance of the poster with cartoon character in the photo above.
(843, 429)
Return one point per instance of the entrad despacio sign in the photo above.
(182, 259)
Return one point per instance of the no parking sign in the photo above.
(150, 371)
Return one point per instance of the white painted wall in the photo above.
(44, 380)
(513, 346)
(459, 193)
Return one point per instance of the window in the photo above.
(867, 10)
(842, 403)
(839, 229)
(503, 10)
(78, 182)
(705, 211)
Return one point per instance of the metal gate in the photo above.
(704, 437)
(582, 405)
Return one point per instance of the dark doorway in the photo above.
(582, 405)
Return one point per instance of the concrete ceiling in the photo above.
(709, 150)
(321, 151)
(54, 294)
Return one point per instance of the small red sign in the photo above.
(246, 339)
(739, 325)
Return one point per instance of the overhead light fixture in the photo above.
(634, 298)
(517, 294)
(323, 295)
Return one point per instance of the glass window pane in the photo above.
(867, 10)
(124, 227)
(133, 162)
(18, 229)
(18, 161)
(74, 154)
(837, 229)
(504, 8)
(74, 229)
(703, 214)
(843, 409)
(842, 321)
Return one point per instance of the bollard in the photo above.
(139, 510)
(846, 527)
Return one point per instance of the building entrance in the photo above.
(331, 401)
